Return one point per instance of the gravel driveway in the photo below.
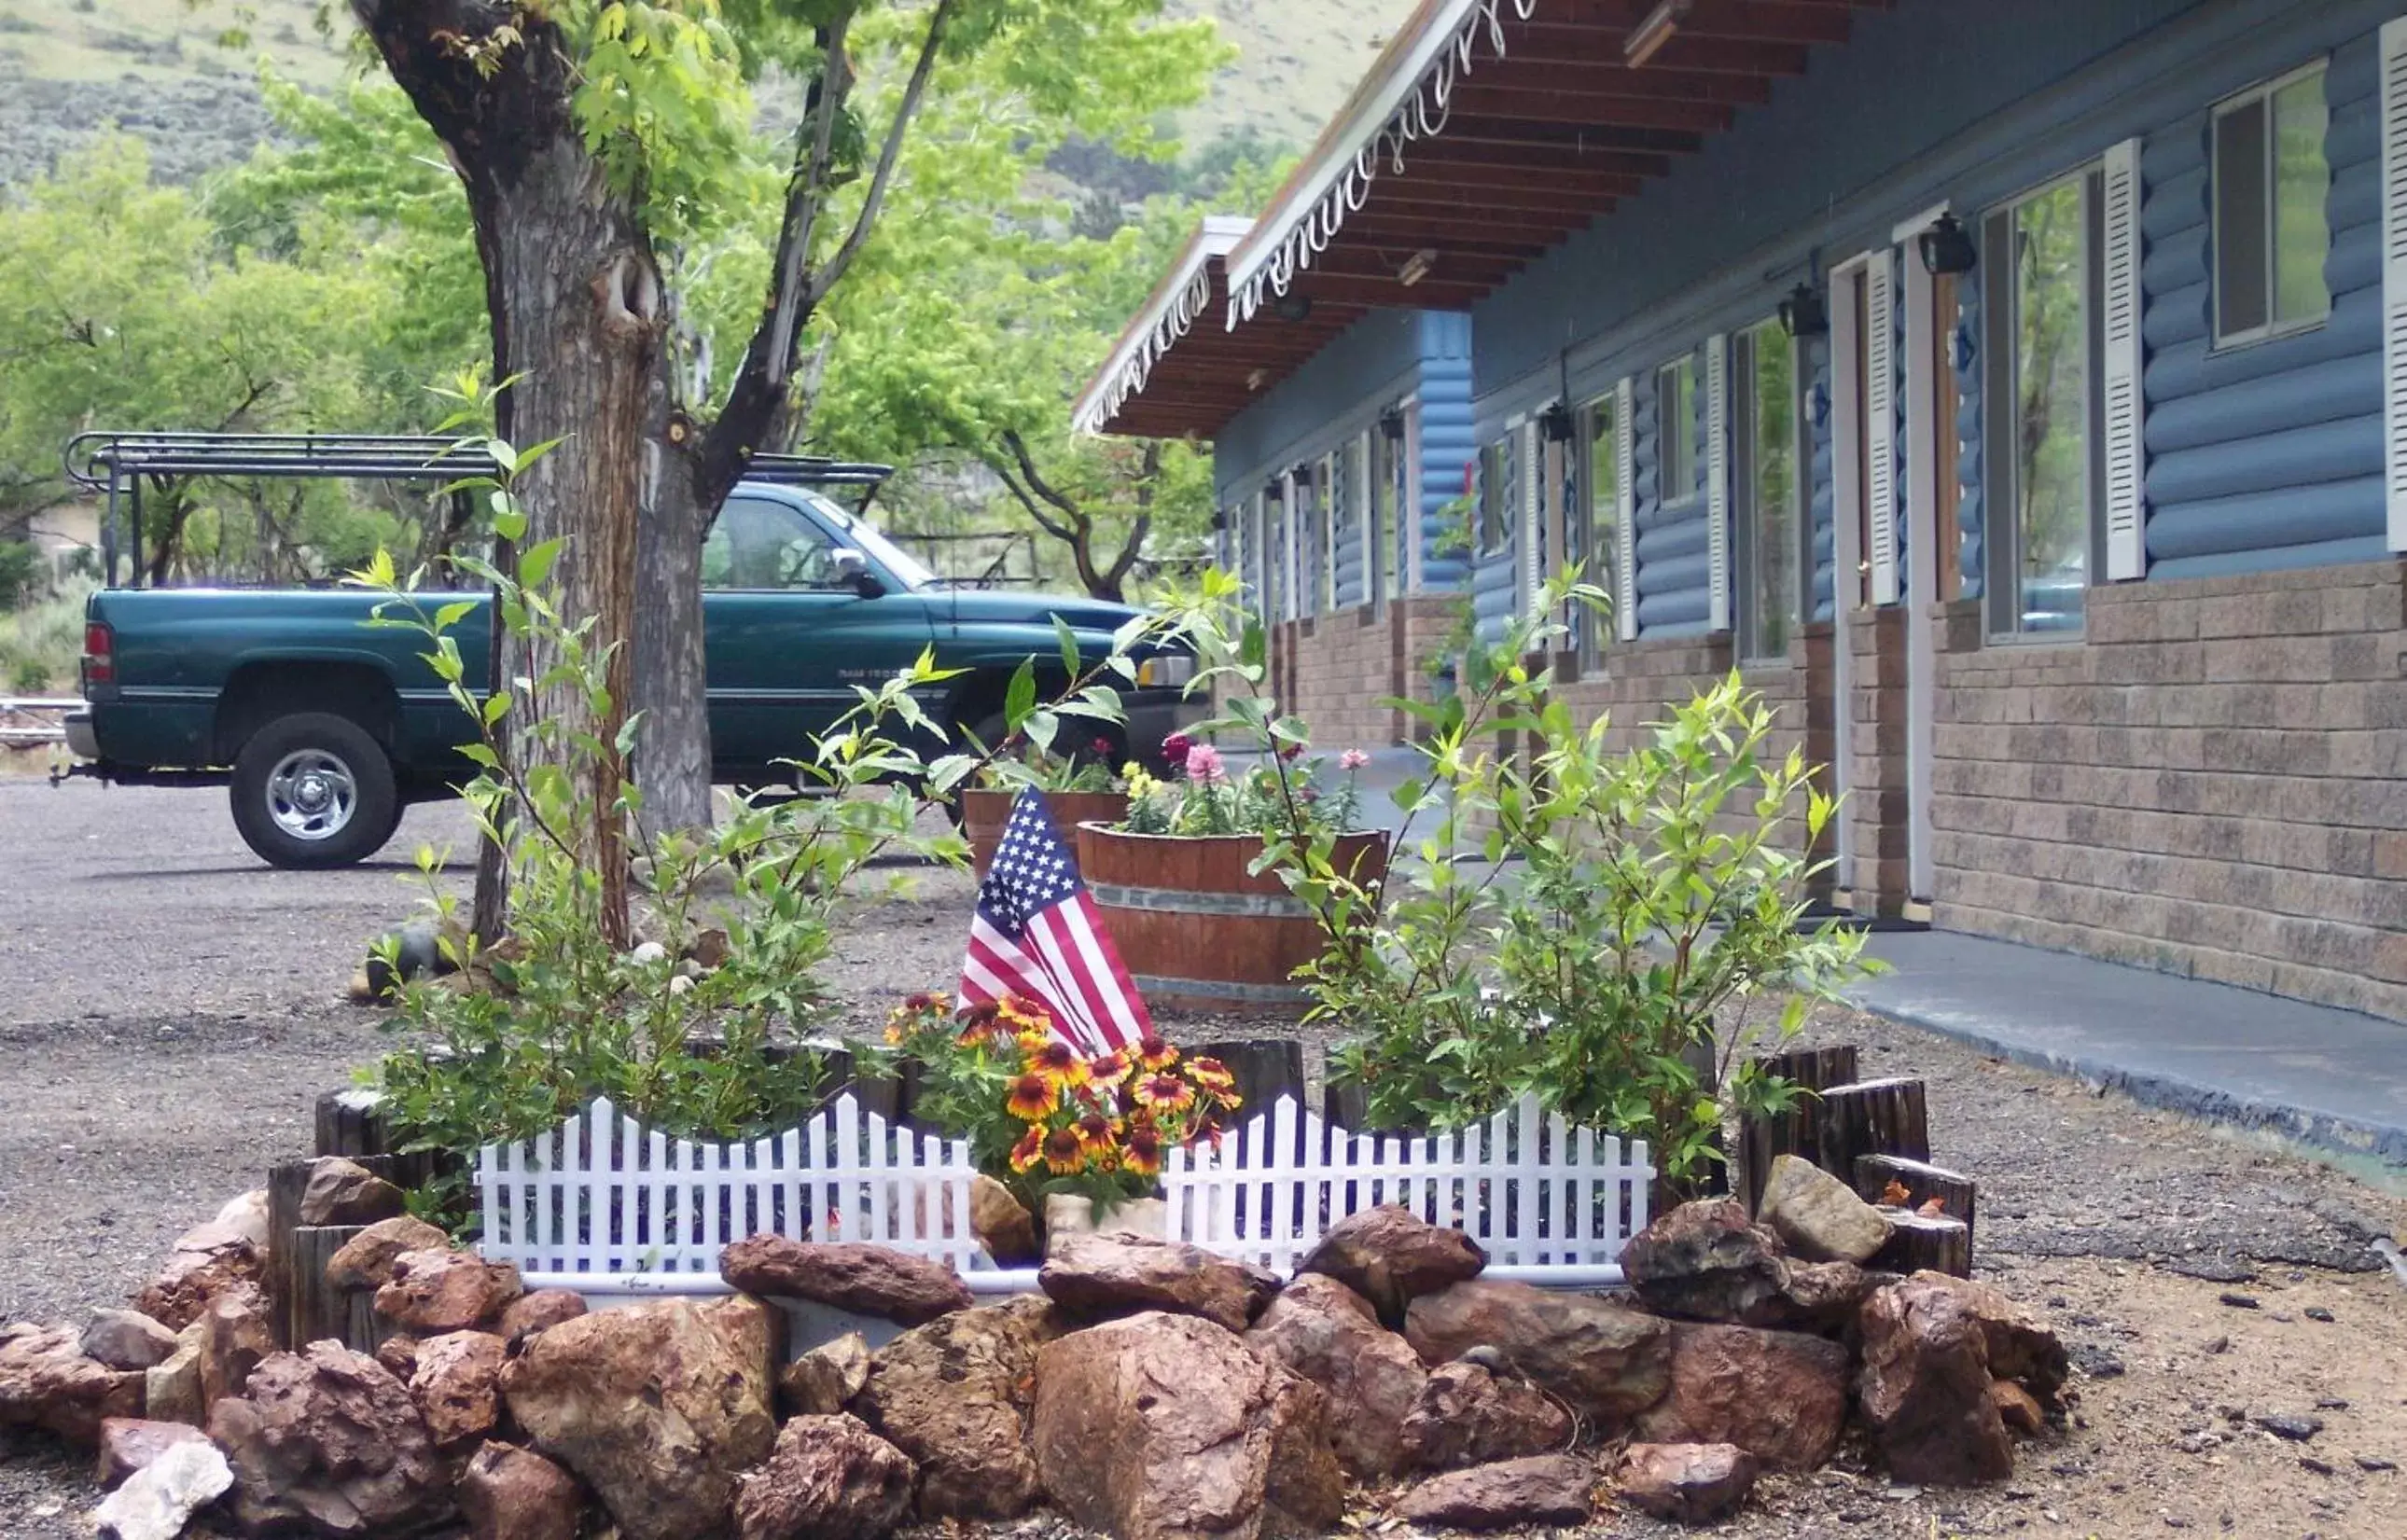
(169, 1007)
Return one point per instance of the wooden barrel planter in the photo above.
(985, 813)
(1195, 928)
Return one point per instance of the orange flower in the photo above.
(1165, 1094)
(1024, 1016)
(1029, 1149)
(1155, 1053)
(934, 1001)
(1141, 1153)
(1212, 1074)
(980, 1022)
(1032, 1098)
(1096, 1131)
(1059, 1062)
(1064, 1153)
(1108, 1069)
(893, 1035)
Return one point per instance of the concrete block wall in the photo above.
(2213, 783)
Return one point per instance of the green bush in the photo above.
(41, 643)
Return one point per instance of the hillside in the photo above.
(158, 67)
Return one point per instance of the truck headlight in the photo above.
(1165, 671)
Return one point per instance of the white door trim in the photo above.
(1922, 549)
(1846, 555)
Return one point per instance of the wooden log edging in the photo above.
(1798, 1130)
(1957, 1192)
(1872, 1118)
(300, 1308)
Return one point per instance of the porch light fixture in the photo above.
(1802, 315)
(1391, 424)
(1646, 39)
(1416, 266)
(1946, 246)
(1293, 305)
(1556, 423)
(1256, 380)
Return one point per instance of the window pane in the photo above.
(2051, 410)
(2241, 286)
(1772, 490)
(763, 545)
(1603, 490)
(2301, 183)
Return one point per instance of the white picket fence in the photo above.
(605, 1205)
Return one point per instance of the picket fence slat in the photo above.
(605, 1200)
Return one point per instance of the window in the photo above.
(2272, 233)
(1596, 513)
(757, 544)
(1763, 428)
(2043, 462)
(1379, 542)
(1325, 493)
(1675, 431)
(1496, 495)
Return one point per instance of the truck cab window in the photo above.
(757, 544)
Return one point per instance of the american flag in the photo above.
(1036, 934)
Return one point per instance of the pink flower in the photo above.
(1174, 746)
(1203, 764)
(1353, 759)
(1292, 751)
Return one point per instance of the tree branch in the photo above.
(827, 278)
(806, 195)
(1043, 522)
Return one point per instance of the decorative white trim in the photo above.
(1624, 496)
(2127, 548)
(1172, 311)
(1880, 433)
(2393, 107)
(1907, 229)
(1717, 484)
(1532, 520)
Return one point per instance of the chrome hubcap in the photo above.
(311, 795)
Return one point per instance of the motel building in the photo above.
(2014, 391)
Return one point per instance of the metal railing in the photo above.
(22, 724)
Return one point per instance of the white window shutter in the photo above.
(2127, 546)
(1534, 503)
(2394, 276)
(1366, 516)
(1625, 509)
(1880, 430)
(1717, 488)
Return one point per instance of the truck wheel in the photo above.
(313, 791)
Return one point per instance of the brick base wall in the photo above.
(1334, 670)
(2213, 783)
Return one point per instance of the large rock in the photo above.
(1822, 1296)
(1781, 1396)
(1390, 1256)
(651, 1408)
(531, 1313)
(825, 1380)
(1706, 1261)
(955, 1396)
(868, 1280)
(1469, 1415)
(47, 1382)
(1819, 1216)
(830, 1478)
(171, 1391)
(365, 1260)
(245, 1215)
(1003, 1224)
(509, 1493)
(209, 1260)
(159, 1499)
(1608, 1362)
(341, 1191)
(438, 1290)
(129, 1443)
(1547, 1488)
(236, 1337)
(456, 1381)
(1690, 1483)
(127, 1339)
(2021, 1348)
(1924, 1388)
(1103, 1275)
(1327, 1332)
(1167, 1427)
(326, 1441)
(755, 1334)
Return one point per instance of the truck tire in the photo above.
(313, 791)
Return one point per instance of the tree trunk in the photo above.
(673, 743)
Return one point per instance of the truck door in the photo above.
(789, 633)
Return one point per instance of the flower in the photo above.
(1174, 747)
(1032, 1097)
(1108, 1069)
(1096, 1131)
(1064, 1151)
(1154, 1052)
(1203, 764)
(1292, 751)
(1353, 759)
(1141, 1153)
(1165, 1094)
(1024, 1016)
(1101, 746)
(932, 1002)
(1059, 1062)
(1212, 1074)
(1026, 1152)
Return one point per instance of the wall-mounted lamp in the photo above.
(1257, 378)
(1802, 314)
(1293, 305)
(1946, 246)
(1302, 476)
(1275, 491)
(1219, 519)
(1416, 266)
(1646, 39)
(1391, 424)
(1556, 423)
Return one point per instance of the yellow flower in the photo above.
(1033, 1097)
(1059, 1062)
(1029, 1150)
(1164, 1092)
(1141, 1153)
(1064, 1151)
(1154, 1052)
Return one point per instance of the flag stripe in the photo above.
(1103, 972)
(1036, 932)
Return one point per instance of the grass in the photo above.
(40, 644)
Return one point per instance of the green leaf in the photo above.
(1069, 644)
(1019, 696)
(535, 561)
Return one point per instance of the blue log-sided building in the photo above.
(2015, 393)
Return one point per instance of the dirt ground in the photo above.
(169, 1007)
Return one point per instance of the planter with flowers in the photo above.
(1076, 1139)
(1079, 788)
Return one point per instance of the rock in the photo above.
(2020, 1347)
(399, 1354)
(47, 1382)
(1100, 1275)
(1469, 1415)
(868, 1280)
(1609, 1363)
(530, 1313)
(434, 1292)
(1819, 1216)
(824, 1381)
(1547, 1488)
(1068, 1214)
(509, 1493)
(1003, 1224)
(171, 1391)
(1706, 1262)
(1690, 1483)
(956, 1395)
(129, 1443)
(235, 1337)
(1924, 1388)
(830, 1478)
(207, 1261)
(2015, 1407)
(1327, 1332)
(1390, 1256)
(2289, 1425)
(1167, 1427)
(1781, 1396)
(754, 1335)
(327, 1440)
(456, 1381)
(127, 1339)
(245, 1215)
(341, 1191)
(1821, 1296)
(157, 1501)
(365, 1260)
(649, 1408)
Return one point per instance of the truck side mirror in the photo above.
(852, 570)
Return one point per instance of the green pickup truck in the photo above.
(325, 727)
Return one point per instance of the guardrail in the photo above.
(22, 724)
